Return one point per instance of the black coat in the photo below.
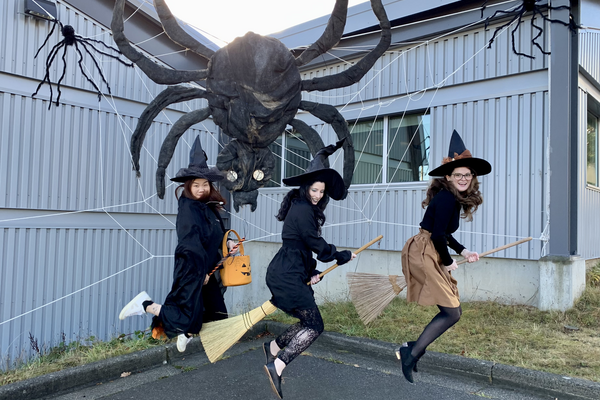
(294, 265)
(199, 233)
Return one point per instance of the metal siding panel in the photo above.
(588, 227)
(589, 53)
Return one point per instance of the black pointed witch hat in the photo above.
(318, 172)
(198, 168)
(459, 156)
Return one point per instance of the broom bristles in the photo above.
(371, 293)
(218, 336)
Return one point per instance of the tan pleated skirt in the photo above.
(427, 281)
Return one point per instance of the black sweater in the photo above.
(441, 219)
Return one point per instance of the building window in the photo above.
(297, 155)
(277, 150)
(386, 150)
(592, 149)
(292, 156)
(404, 140)
(408, 143)
(367, 137)
(593, 116)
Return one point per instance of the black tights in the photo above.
(299, 336)
(444, 320)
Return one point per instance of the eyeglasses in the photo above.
(458, 177)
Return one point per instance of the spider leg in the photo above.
(64, 60)
(498, 29)
(358, 70)
(332, 116)
(514, 12)
(540, 32)
(49, 60)
(47, 38)
(168, 147)
(332, 35)
(86, 41)
(536, 9)
(154, 71)
(483, 6)
(176, 33)
(512, 35)
(171, 95)
(84, 45)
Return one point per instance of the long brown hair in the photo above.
(469, 200)
(214, 197)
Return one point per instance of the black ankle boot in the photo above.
(408, 361)
(418, 357)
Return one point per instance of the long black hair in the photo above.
(302, 193)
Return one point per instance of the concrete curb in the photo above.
(492, 373)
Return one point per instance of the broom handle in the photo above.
(506, 246)
(372, 242)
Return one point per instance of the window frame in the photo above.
(593, 108)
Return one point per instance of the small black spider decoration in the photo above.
(517, 15)
(71, 39)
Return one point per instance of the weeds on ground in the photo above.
(565, 343)
(66, 355)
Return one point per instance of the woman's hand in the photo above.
(471, 256)
(452, 266)
(315, 279)
(231, 244)
(352, 257)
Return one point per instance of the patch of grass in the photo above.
(76, 353)
(593, 275)
(515, 335)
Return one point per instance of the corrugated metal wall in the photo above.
(588, 224)
(452, 59)
(80, 235)
(498, 103)
(589, 53)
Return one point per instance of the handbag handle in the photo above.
(224, 243)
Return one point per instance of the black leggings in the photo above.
(299, 336)
(443, 321)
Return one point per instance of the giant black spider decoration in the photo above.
(71, 39)
(253, 89)
(517, 15)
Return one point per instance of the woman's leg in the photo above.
(410, 352)
(212, 299)
(444, 320)
(295, 341)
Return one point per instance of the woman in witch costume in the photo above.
(294, 266)
(195, 297)
(426, 262)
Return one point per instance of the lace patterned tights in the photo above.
(301, 335)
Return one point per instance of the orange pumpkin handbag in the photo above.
(236, 268)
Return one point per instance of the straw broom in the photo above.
(371, 293)
(218, 336)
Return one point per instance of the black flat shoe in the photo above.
(274, 378)
(267, 349)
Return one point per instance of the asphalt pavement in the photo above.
(334, 367)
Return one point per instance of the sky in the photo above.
(228, 19)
